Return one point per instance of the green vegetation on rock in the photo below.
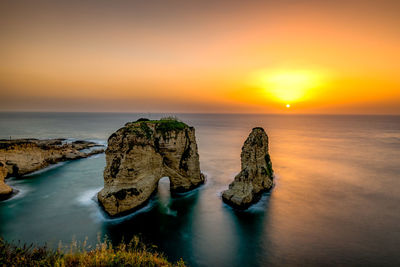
(104, 254)
(163, 125)
(146, 129)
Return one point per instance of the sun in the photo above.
(288, 86)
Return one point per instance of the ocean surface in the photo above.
(336, 199)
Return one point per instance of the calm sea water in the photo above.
(336, 200)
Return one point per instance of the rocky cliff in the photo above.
(5, 190)
(23, 156)
(141, 153)
(256, 174)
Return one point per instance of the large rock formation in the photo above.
(141, 153)
(23, 156)
(256, 175)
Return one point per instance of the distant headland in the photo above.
(19, 157)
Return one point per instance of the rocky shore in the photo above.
(22, 156)
(140, 154)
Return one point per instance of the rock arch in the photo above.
(140, 154)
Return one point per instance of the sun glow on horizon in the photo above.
(288, 86)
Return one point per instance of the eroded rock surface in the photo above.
(256, 175)
(23, 156)
(5, 190)
(140, 154)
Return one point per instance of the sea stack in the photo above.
(256, 175)
(140, 154)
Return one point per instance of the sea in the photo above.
(336, 199)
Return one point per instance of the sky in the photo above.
(291, 57)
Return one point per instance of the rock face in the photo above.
(5, 190)
(256, 175)
(140, 154)
(23, 156)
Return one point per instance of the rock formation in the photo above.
(23, 156)
(5, 190)
(256, 174)
(140, 154)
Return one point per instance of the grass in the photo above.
(146, 129)
(135, 253)
(163, 126)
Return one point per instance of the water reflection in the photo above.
(252, 240)
(166, 223)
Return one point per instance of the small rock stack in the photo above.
(256, 175)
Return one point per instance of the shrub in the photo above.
(135, 253)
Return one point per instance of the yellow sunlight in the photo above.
(287, 86)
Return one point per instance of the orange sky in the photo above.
(178, 56)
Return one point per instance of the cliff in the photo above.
(23, 156)
(256, 175)
(5, 190)
(141, 153)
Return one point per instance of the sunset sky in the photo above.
(208, 56)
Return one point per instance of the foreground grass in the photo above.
(104, 254)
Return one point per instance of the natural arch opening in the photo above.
(164, 197)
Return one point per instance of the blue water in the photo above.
(336, 200)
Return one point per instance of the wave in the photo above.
(94, 156)
(103, 217)
(48, 168)
(260, 205)
(21, 188)
(89, 197)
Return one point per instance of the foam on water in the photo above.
(260, 205)
(165, 209)
(103, 217)
(22, 189)
(164, 197)
(257, 207)
(89, 197)
(48, 168)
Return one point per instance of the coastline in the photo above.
(20, 157)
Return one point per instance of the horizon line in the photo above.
(203, 113)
